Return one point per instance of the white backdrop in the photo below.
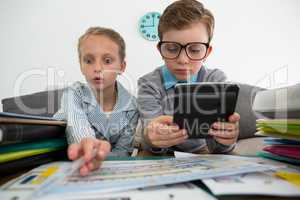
(255, 41)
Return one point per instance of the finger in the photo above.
(224, 134)
(225, 141)
(104, 149)
(224, 126)
(74, 151)
(164, 119)
(169, 143)
(84, 170)
(94, 164)
(173, 135)
(235, 117)
(166, 129)
(87, 148)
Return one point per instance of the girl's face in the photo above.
(100, 62)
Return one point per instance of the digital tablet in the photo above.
(198, 105)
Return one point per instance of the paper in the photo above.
(260, 183)
(165, 192)
(117, 176)
(124, 175)
(290, 177)
(22, 188)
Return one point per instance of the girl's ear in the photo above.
(123, 67)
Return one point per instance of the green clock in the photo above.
(148, 25)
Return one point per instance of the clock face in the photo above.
(148, 25)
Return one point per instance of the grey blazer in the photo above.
(154, 100)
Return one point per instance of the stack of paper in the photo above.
(285, 144)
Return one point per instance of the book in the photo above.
(16, 133)
(6, 117)
(14, 166)
(5, 157)
(278, 135)
(24, 116)
(48, 143)
(265, 154)
(287, 151)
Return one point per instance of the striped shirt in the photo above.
(85, 117)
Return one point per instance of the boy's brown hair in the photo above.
(182, 14)
(110, 33)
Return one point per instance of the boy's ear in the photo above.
(157, 46)
(209, 50)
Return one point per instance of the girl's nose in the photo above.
(97, 68)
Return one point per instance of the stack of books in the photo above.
(27, 141)
(283, 143)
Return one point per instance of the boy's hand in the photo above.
(226, 132)
(163, 133)
(85, 148)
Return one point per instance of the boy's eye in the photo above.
(171, 48)
(195, 49)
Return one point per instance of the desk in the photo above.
(246, 147)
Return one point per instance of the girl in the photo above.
(101, 114)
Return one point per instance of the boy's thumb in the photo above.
(165, 119)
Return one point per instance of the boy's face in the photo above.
(183, 67)
(100, 62)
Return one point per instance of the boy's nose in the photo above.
(183, 58)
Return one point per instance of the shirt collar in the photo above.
(125, 101)
(169, 80)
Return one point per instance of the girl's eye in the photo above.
(108, 60)
(87, 61)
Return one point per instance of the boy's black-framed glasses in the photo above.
(194, 50)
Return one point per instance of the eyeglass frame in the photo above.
(183, 47)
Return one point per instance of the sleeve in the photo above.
(215, 147)
(71, 110)
(149, 106)
(216, 75)
(124, 145)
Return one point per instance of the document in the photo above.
(117, 176)
(259, 183)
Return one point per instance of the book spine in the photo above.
(15, 133)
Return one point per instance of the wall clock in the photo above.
(148, 25)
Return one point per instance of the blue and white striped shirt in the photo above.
(85, 117)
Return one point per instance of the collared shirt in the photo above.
(85, 117)
(169, 80)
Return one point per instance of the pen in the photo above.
(76, 164)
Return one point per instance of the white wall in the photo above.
(256, 41)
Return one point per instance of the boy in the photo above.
(100, 115)
(185, 31)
